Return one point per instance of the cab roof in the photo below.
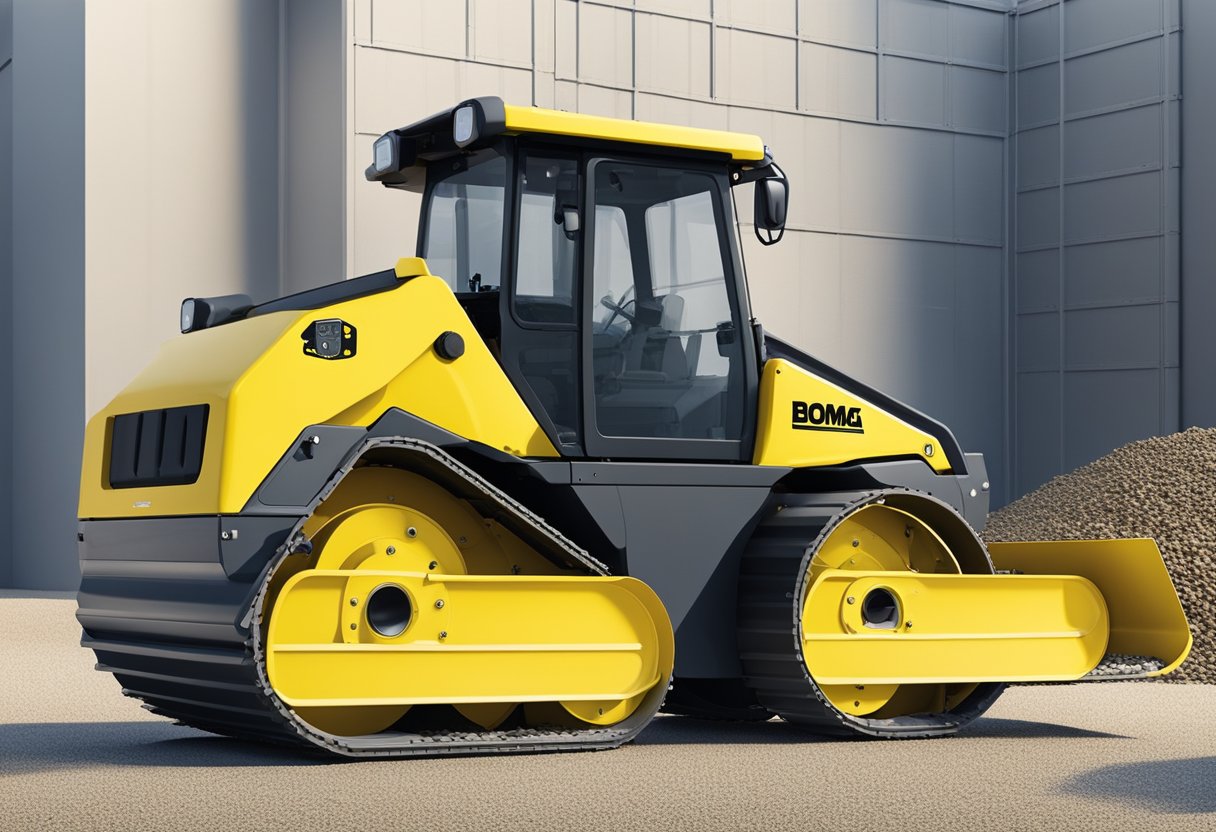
(477, 121)
(742, 147)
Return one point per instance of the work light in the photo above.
(187, 314)
(385, 153)
(464, 126)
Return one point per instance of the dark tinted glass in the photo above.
(464, 220)
(668, 355)
(546, 262)
(544, 345)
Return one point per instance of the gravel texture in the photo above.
(1164, 488)
(76, 755)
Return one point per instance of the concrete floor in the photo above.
(75, 754)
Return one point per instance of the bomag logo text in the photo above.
(824, 416)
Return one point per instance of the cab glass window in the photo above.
(464, 220)
(667, 352)
(547, 252)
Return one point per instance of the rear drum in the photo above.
(894, 531)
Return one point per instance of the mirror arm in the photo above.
(757, 170)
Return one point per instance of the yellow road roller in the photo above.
(549, 477)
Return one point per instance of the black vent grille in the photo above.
(157, 447)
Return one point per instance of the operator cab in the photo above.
(599, 260)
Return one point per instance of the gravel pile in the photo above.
(1164, 488)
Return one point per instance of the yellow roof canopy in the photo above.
(477, 121)
(742, 147)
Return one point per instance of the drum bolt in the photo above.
(856, 543)
(411, 532)
(354, 602)
(857, 704)
(908, 529)
(850, 599)
(432, 564)
(391, 550)
(463, 541)
(439, 604)
(354, 626)
(908, 624)
(443, 634)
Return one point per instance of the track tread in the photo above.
(771, 585)
(212, 677)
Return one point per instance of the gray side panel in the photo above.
(685, 544)
(968, 494)
(675, 474)
(604, 504)
(306, 467)
(180, 540)
(312, 459)
(157, 578)
(248, 543)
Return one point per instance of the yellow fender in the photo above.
(1146, 617)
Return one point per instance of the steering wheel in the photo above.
(617, 309)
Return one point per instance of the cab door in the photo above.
(669, 367)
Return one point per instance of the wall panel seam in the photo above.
(1104, 176)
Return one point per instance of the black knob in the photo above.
(449, 345)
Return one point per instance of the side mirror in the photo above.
(772, 202)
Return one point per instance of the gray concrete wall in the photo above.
(181, 174)
(313, 143)
(48, 246)
(1096, 170)
(1199, 214)
(986, 216)
(6, 290)
(888, 115)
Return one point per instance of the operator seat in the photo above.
(656, 353)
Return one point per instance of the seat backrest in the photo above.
(657, 354)
(673, 312)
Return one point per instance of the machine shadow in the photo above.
(32, 747)
(1027, 729)
(1166, 786)
(681, 730)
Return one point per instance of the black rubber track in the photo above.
(772, 586)
(205, 667)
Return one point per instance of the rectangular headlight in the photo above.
(385, 153)
(187, 319)
(463, 126)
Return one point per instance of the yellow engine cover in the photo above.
(806, 421)
(263, 389)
